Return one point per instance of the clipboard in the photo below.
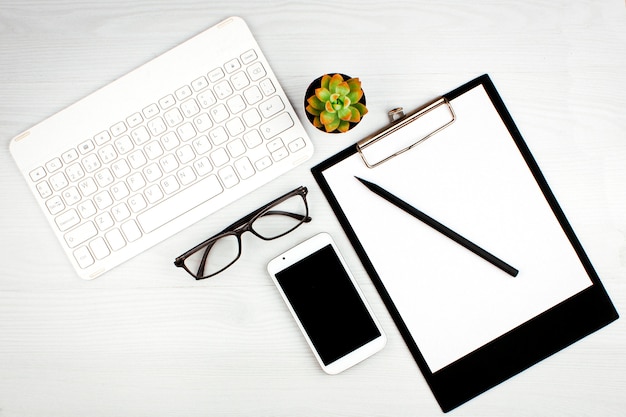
(468, 326)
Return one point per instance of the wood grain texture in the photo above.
(146, 340)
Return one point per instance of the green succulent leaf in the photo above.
(316, 103)
(334, 82)
(355, 115)
(322, 94)
(314, 111)
(361, 108)
(333, 125)
(345, 113)
(327, 118)
(325, 81)
(343, 126)
(342, 89)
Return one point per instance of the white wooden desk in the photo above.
(147, 340)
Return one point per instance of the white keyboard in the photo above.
(162, 147)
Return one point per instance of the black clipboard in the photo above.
(524, 345)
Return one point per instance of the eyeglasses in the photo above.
(271, 221)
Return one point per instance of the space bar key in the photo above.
(179, 204)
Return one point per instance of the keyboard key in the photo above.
(206, 99)
(170, 185)
(136, 181)
(186, 176)
(86, 147)
(75, 172)
(44, 189)
(216, 74)
(199, 84)
(137, 203)
(80, 234)
(173, 117)
(244, 168)
(223, 89)
(137, 159)
(170, 141)
(263, 163)
(253, 95)
(219, 157)
(152, 172)
(167, 102)
(228, 176)
(103, 200)
(240, 80)
(120, 212)
(203, 166)
(236, 148)
(86, 209)
(236, 104)
(55, 205)
(276, 126)
(151, 111)
(271, 106)
(115, 239)
(99, 248)
(54, 165)
(253, 139)
(67, 220)
(37, 174)
(123, 145)
(157, 126)
(186, 131)
(183, 93)
(153, 194)
(190, 108)
(70, 156)
(141, 135)
(134, 120)
(235, 126)
(131, 231)
(58, 181)
(251, 117)
(119, 191)
(201, 145)
(296, 145)
(218, 136)
(71, 196)
(120, 168)
(256, 71)
(91, 163)
(118, 128)
(267, 87)
(202, 122)
(232, 65)
(185, 154)
(172, 208)
(104, 221)
(219, 113)
(87, 187)
(248, 56)
(83, 257)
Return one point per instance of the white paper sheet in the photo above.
(472, 178)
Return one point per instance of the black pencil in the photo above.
(440, 227)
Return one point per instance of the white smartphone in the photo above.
(326, 302)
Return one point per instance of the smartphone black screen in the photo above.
(327, 304)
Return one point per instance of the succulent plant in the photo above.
(336, 103)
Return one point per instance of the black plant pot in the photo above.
(310, 91)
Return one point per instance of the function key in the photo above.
(70, 156)
(102, 137)
(216, 74)
(199, 83)
(183, 92)
(232, 65)
(54, 164)
(37, 173)
(86, 146)
(167, 101)
(248, 57)
(151, 111)
(134, 120)
(118, 128)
